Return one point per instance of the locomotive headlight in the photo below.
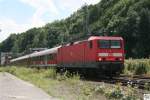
(100, 59)
(120, 59)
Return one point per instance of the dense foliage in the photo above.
(128, 18)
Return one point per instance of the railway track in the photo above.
(134, 81)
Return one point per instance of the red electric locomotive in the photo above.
(100, 54)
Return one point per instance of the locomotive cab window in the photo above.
(106, 44)
(115, 44)
(103, 44)
(90, 44)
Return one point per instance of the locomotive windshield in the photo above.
(105, 44)
(115, 44)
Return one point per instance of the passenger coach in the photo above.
(43, 58)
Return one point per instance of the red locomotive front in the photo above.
(109, 53)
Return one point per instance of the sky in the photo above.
(18, 16)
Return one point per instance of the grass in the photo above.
(137, 67)
(69, 86)
(120, 93)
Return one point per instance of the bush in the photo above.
(68, 77)
(87, 90)
(142, 68)
(11, 70)
(115, 93)
(50, 73)
(73, 79)
(137, 66)
(130, 94)
(100, 89)
(62, 77)
(147, 86)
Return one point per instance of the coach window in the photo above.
(34, 58)
(40, 57)
(90, 44)
(49, 57)
(37, 58)
(54, 56)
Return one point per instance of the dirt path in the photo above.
(12, 88)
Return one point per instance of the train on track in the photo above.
(97, 54)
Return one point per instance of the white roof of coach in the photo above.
(45, 52)
(36, 54)
(20, 58)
